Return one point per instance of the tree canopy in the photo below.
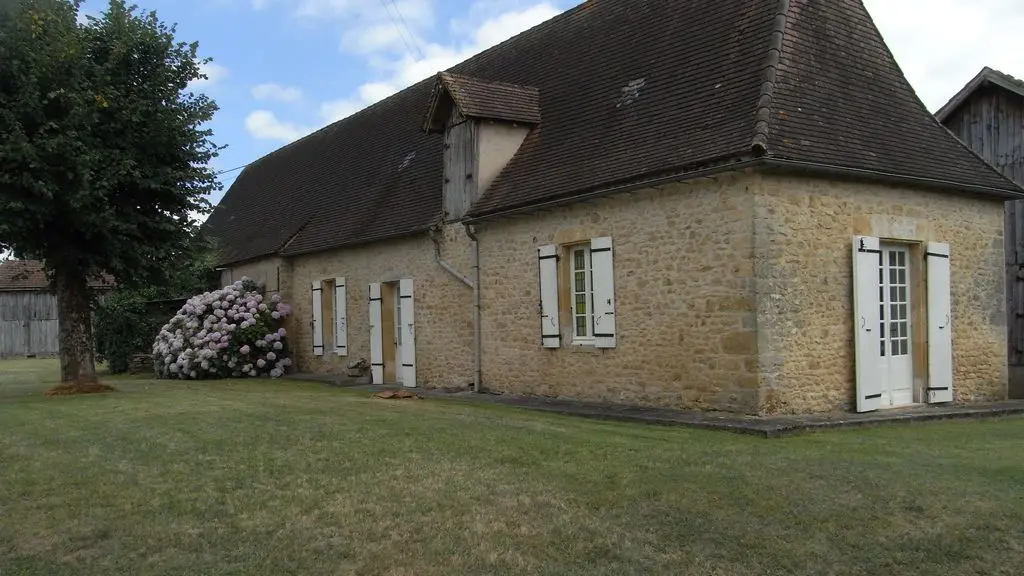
(104, 151)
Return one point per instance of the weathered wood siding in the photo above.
(28, 324)
(460, 176)
(991, 122)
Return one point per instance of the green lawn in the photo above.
(259, 477)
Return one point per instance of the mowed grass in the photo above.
(259, 477)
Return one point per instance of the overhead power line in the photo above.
(399, 24)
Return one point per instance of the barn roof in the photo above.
(627, 90)
(987, 77)
(29, 275)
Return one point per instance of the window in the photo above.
(577, 285)
(582, 294)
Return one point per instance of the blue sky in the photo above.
(283, 68)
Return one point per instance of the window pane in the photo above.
(895, 348)
(882, 342)
(902, 275)
(892, 276)
(903, 294)
(581, 326)
(903, 329)
(581, 281)
(893, 294)
(903, 347)
(892, 258)
(894, 312)
(901, 258)
(581, 303)
(579, 260)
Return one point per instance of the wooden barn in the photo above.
(988, 116)
(28, 309)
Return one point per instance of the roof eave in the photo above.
(890, 178)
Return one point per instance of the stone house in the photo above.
(737, 205)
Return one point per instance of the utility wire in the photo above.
(398, 28)
(412, 35)
(231, 170)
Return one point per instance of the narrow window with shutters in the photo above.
(340, 317)
(870, 374)
(547, 260)
(317, 322)
(940, 324)
(602, 276)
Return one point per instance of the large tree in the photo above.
(104, 153)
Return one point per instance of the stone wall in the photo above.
(266, 270)
(804, 229)
(684, 299)
(444, 329)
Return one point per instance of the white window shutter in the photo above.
(603, 278)
(550, 334)
(376, 336)
(317, 323)
(867, 320)
(340, 317)
(940, 330)
(408, 329)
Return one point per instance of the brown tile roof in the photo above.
(29, 275)
(628, 89)
(985, 77)
(477, 98)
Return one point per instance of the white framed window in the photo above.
(582, 279)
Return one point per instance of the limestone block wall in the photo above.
(685, 300)
(444, 329)
(803, 260)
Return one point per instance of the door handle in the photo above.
(863, 323)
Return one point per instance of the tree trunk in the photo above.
(74, 317)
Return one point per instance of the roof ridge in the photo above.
(762, 118)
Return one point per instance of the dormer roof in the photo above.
(481, 99)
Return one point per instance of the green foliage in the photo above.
(123, 328)
(102, 155)
(128, 319)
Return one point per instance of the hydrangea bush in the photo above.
(232, 332)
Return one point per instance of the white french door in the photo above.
(894, 316)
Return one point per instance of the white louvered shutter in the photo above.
(317, 323)
(603, 278)
(340, 317)
(940, 327)
(867, 323)
(376, 336)
(547, 258)
(408, 328)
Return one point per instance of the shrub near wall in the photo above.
(233, 332)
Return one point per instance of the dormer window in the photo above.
(483, 123)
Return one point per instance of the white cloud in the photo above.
(276, 92)
(264, 125)
(214, 73)
(408, 68)
(942, 44)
